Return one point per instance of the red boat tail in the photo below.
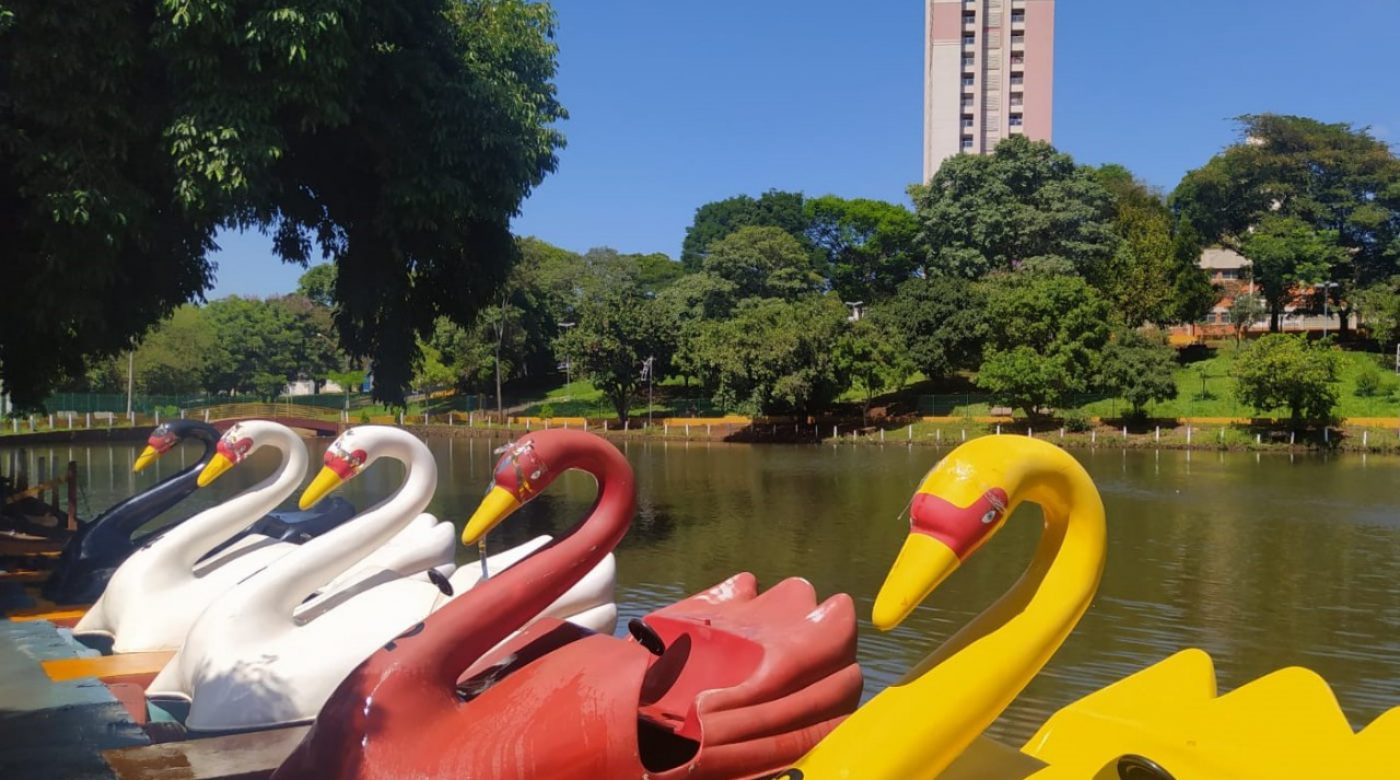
(726, 684)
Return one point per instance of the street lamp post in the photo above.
(648, 371)
(854, 306)
(1326, 288)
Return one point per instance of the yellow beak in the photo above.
(214, 469)
(147, 457)
(497, 506)
(922, 565)
(320, 487)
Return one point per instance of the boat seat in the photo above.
(698, 658)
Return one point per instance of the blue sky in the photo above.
(674, 104)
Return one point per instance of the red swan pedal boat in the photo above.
(729, 683)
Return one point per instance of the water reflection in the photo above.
(1264, 561)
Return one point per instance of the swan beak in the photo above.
(147, 457)
(320, 487)
(497, 506)
(922, 565)
(214, 469)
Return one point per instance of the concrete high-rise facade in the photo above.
(989, 73)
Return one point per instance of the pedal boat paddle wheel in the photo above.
(1163, 723)
(727, 684)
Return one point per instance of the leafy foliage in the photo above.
(713, 221)
(1286, 371)
(1140, 368)
(1047, 334)
(763, 262)
(940, 323)
(1155, 276)
(1024, 204)
(1286, 253)
(1339, 180)
(875, 359)
(775, 356)
(318, 285)
(867, 246)
(616, 332)
(398, 136)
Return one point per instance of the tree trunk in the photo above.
(620, 405)
(1273, 319)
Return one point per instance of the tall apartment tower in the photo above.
(989, 73)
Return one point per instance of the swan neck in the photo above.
(194, 538)
(318, 561)
(472, 624)
(959, 690)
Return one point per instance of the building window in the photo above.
(969, 17)
(1016, 120)
(1016, 99)
(1018, 17)
(967, 101)
(970, 39)
(967, 142)
(969, 61)
(1018, 80)
(1018, 38)
(1018, 59)
(966, 120)
(969, 80)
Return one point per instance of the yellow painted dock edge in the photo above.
(64, 669)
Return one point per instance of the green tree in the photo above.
(1140, 368)
(1281, 371)
(616, 332)
(397, 136)
(867, 246)
(1285, 254)
(1339, 180)
(775, 356)
(1047, 335)
(1245, 310)
(714, 221)
(318, 285)
(1379, 308)
(875, 360)
(939, 323)
(763, 262)
(1155, 274)
(1023, 205)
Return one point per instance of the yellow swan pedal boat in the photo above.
(1166, 722)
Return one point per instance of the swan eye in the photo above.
(990, 517)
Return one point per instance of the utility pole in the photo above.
(647, 373)
(130, 371)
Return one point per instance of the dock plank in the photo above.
(64, 669)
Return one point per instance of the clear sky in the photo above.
(674, 104)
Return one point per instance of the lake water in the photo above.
(1265, 561)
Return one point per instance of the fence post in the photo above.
(1365, 438)
(834, 434)
(1125, 431)
(1030, 432)
(31, 423)
(52, 426)
(70, 421)
(998, 429)
(1327, 434)
(882, 435)
(182, 414)
(1158, 435)
(911, 431)
(627, 425)
(206, 415)
(605, 425)
(964, 434)
(400, 418)
(938, 435)
(1094, 436)
(157, 415)
(1062, 434)
(87, 422)
(1292, 437)
(1188, 436)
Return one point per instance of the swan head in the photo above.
(521, 474)
(343, 461)
(959, 506)
(237, 443)
(162, 440)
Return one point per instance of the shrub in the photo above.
(1369, 383)
(1078, 421)
(547, 411)
(364, 417)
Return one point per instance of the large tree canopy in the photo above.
(1024, 205)
(1337, 179)
(398, 137)
(714, 221)
(867, 245)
